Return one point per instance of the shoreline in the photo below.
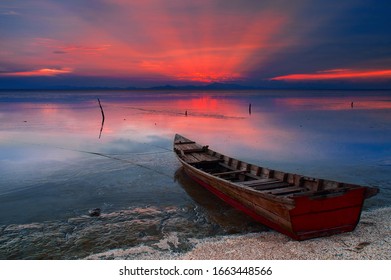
(371, 240)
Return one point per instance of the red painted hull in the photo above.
(311, 218)
(326, 216)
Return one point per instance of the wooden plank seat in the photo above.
(227, 166)
(229, 172)
(188, 147)
(195, 150)
(248, 174)
(189, 159)
(259, 182)
(270, 186)
(245, 172)
(204, 157)
(287, 190)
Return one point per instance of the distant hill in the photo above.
(213, 86)
(206, 87)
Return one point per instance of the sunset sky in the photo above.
(143, 43)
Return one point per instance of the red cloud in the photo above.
(203, 46)
(334, 74)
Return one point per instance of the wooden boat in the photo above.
(298, 206)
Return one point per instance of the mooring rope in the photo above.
(114, 156)
(127, 161)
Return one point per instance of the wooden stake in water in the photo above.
(103, 118)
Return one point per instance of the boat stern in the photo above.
(326, 215)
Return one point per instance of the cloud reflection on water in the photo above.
(45, 142)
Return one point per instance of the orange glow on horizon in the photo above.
(209, 77)
(336, 74)
(39, 72)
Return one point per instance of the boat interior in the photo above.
(262, 179)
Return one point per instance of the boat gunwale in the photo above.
(311, 194)
(252, 191)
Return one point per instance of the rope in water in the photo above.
(114, 156)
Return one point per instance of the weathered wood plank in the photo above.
(195, 150)
(228, 172)
(288, 190)
(204, 157)
(259, 182)
(252, 176)
(274, 185)
(226, 166)
(188, 147)
(189, 158)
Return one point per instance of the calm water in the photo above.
(54, 167)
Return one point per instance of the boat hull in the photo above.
(306, 219)
(295, 205)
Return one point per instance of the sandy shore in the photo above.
(370, 241)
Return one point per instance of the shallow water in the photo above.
(54, 167)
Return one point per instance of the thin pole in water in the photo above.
(103, 118)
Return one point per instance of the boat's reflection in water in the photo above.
(215, 210)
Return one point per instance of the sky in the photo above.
(144, 43)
